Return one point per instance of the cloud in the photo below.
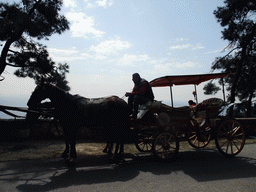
(180, 46)
(82, 25)
(198, 46)
(64, 55)
(100, 3)
(110, 46)
(163, 65)
(133, 60)
(90, 6)
(186, 46)
(105, 3)
(108, 50)
(69, 3)
(181, 39)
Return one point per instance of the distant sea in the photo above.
(22, 102)
(13, 102)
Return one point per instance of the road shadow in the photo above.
(47, 175)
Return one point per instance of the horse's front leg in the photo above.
(118, 154)
(113, 158)
(66, 151)
(72, 149)
(121, 152)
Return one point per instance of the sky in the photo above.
(109, 40)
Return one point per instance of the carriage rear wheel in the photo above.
(144, 141)
(199, 138)
(166, 147)
(230, 138)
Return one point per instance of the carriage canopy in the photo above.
(184, 79)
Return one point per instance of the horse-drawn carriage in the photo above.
(161, 126)
(158, 128)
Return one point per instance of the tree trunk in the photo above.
(4, 55)
(249, 105)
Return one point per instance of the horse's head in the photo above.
(40, 93)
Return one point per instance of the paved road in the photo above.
(194, 171)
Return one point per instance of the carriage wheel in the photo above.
(199, 138)
(230, 138)
(144, 141)
(166, 147)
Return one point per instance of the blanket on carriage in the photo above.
(211, 105)
(208, 108)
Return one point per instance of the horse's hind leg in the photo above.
(118, 154)
(121, 151)
(108, 148)
(105, 150)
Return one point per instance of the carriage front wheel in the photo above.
(166, 147)
(144, 141)
(230, 138)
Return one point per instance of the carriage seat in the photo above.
(184, 108)
(150, 104)
(145, 107)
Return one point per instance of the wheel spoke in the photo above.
(235, 130)
(161, 139)
(159, 149)
(227, 147)
(143, 146)
(195, 140)
(237, 141)
(231, 147)
(223, 133)
(241, 134)
(169, 140)
(224, 143)
(192, 137)
(235, 145)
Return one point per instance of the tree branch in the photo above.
(13, 51)
(13, 65)
(227, 54)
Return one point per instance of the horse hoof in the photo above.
(105, 150)
(64, 155)
(115, 159)
(71, 161)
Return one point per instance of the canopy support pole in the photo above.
(196, 95)
(223, 90)
(171, 93)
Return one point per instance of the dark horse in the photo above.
(74, 111)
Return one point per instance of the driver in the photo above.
(141, 94)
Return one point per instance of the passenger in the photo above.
(191, 103)
(192, 106)
(141, 94)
